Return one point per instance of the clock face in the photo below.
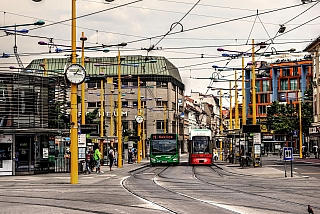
(139, 119)
(75, 73)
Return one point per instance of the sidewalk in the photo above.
(83, 179)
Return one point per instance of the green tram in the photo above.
(164, 149)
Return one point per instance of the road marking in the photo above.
(310, 173)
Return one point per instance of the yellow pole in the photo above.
(101, 115)
(237, 126)
(143, 135)
(230, 111)
(165, 118)
(139, 124)
(111, 114)
(74, 105)
(119, 115)
(254, 107)
(221, 124)
(83, 105)
(244, 116)
(300, 125)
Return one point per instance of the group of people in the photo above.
(93, 159)
(132, 155)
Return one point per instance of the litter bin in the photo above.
(81, 166)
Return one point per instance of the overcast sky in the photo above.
(205, 25)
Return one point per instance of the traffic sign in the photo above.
(287, 153)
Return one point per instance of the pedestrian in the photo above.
(135, 151)
(88, 160)
(111, 157)
(115, 159)
(130, 156)
(280, 152)
(97, 157)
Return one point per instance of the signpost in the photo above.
(287, 156)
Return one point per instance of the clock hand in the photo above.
(76, 71)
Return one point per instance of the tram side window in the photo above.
(200, 144)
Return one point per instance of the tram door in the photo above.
(24, 154)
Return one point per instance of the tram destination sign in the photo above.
(163, 136)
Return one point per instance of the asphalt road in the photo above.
(222, 188)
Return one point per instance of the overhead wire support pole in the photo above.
(139, 124)
(119, 114)
(300, 124)
(83, 104)
(101, 115)
(236, 101)
(74, 105)
(254, 108)
(221, 124)
(244, 116)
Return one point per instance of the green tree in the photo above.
(284, 118)
(91, 117)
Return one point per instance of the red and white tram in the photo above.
(201, 147)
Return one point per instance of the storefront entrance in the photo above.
(24, 154)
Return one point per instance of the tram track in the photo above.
(156, 181)
(229, 174)
(143, 198)
(243, 191)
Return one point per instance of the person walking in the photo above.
(88, 159)
(111, 158)
(97, 156)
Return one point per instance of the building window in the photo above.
(92, 104)
(258, 86)
(285, 72)
(125, 103)
(180, 91)
(265, 85)
(162, 103)
(282, 97)
(174, 106)
(162, 85)
(263, 98)
(135, 103)
(262, 109)
(292, 96)
(293, 84)
(125, 83)
(160, 126)
(135, 83)
(174, 130)
(284, 84)
(94, 85)
(174, 87)
(295, 71)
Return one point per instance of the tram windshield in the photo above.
(200, 144)
(164, 147)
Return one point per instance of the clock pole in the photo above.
(74, 105)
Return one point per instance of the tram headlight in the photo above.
(175, 159)
(152, 159)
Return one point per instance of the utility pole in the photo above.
(254, 102)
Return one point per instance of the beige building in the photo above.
(161, 91)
